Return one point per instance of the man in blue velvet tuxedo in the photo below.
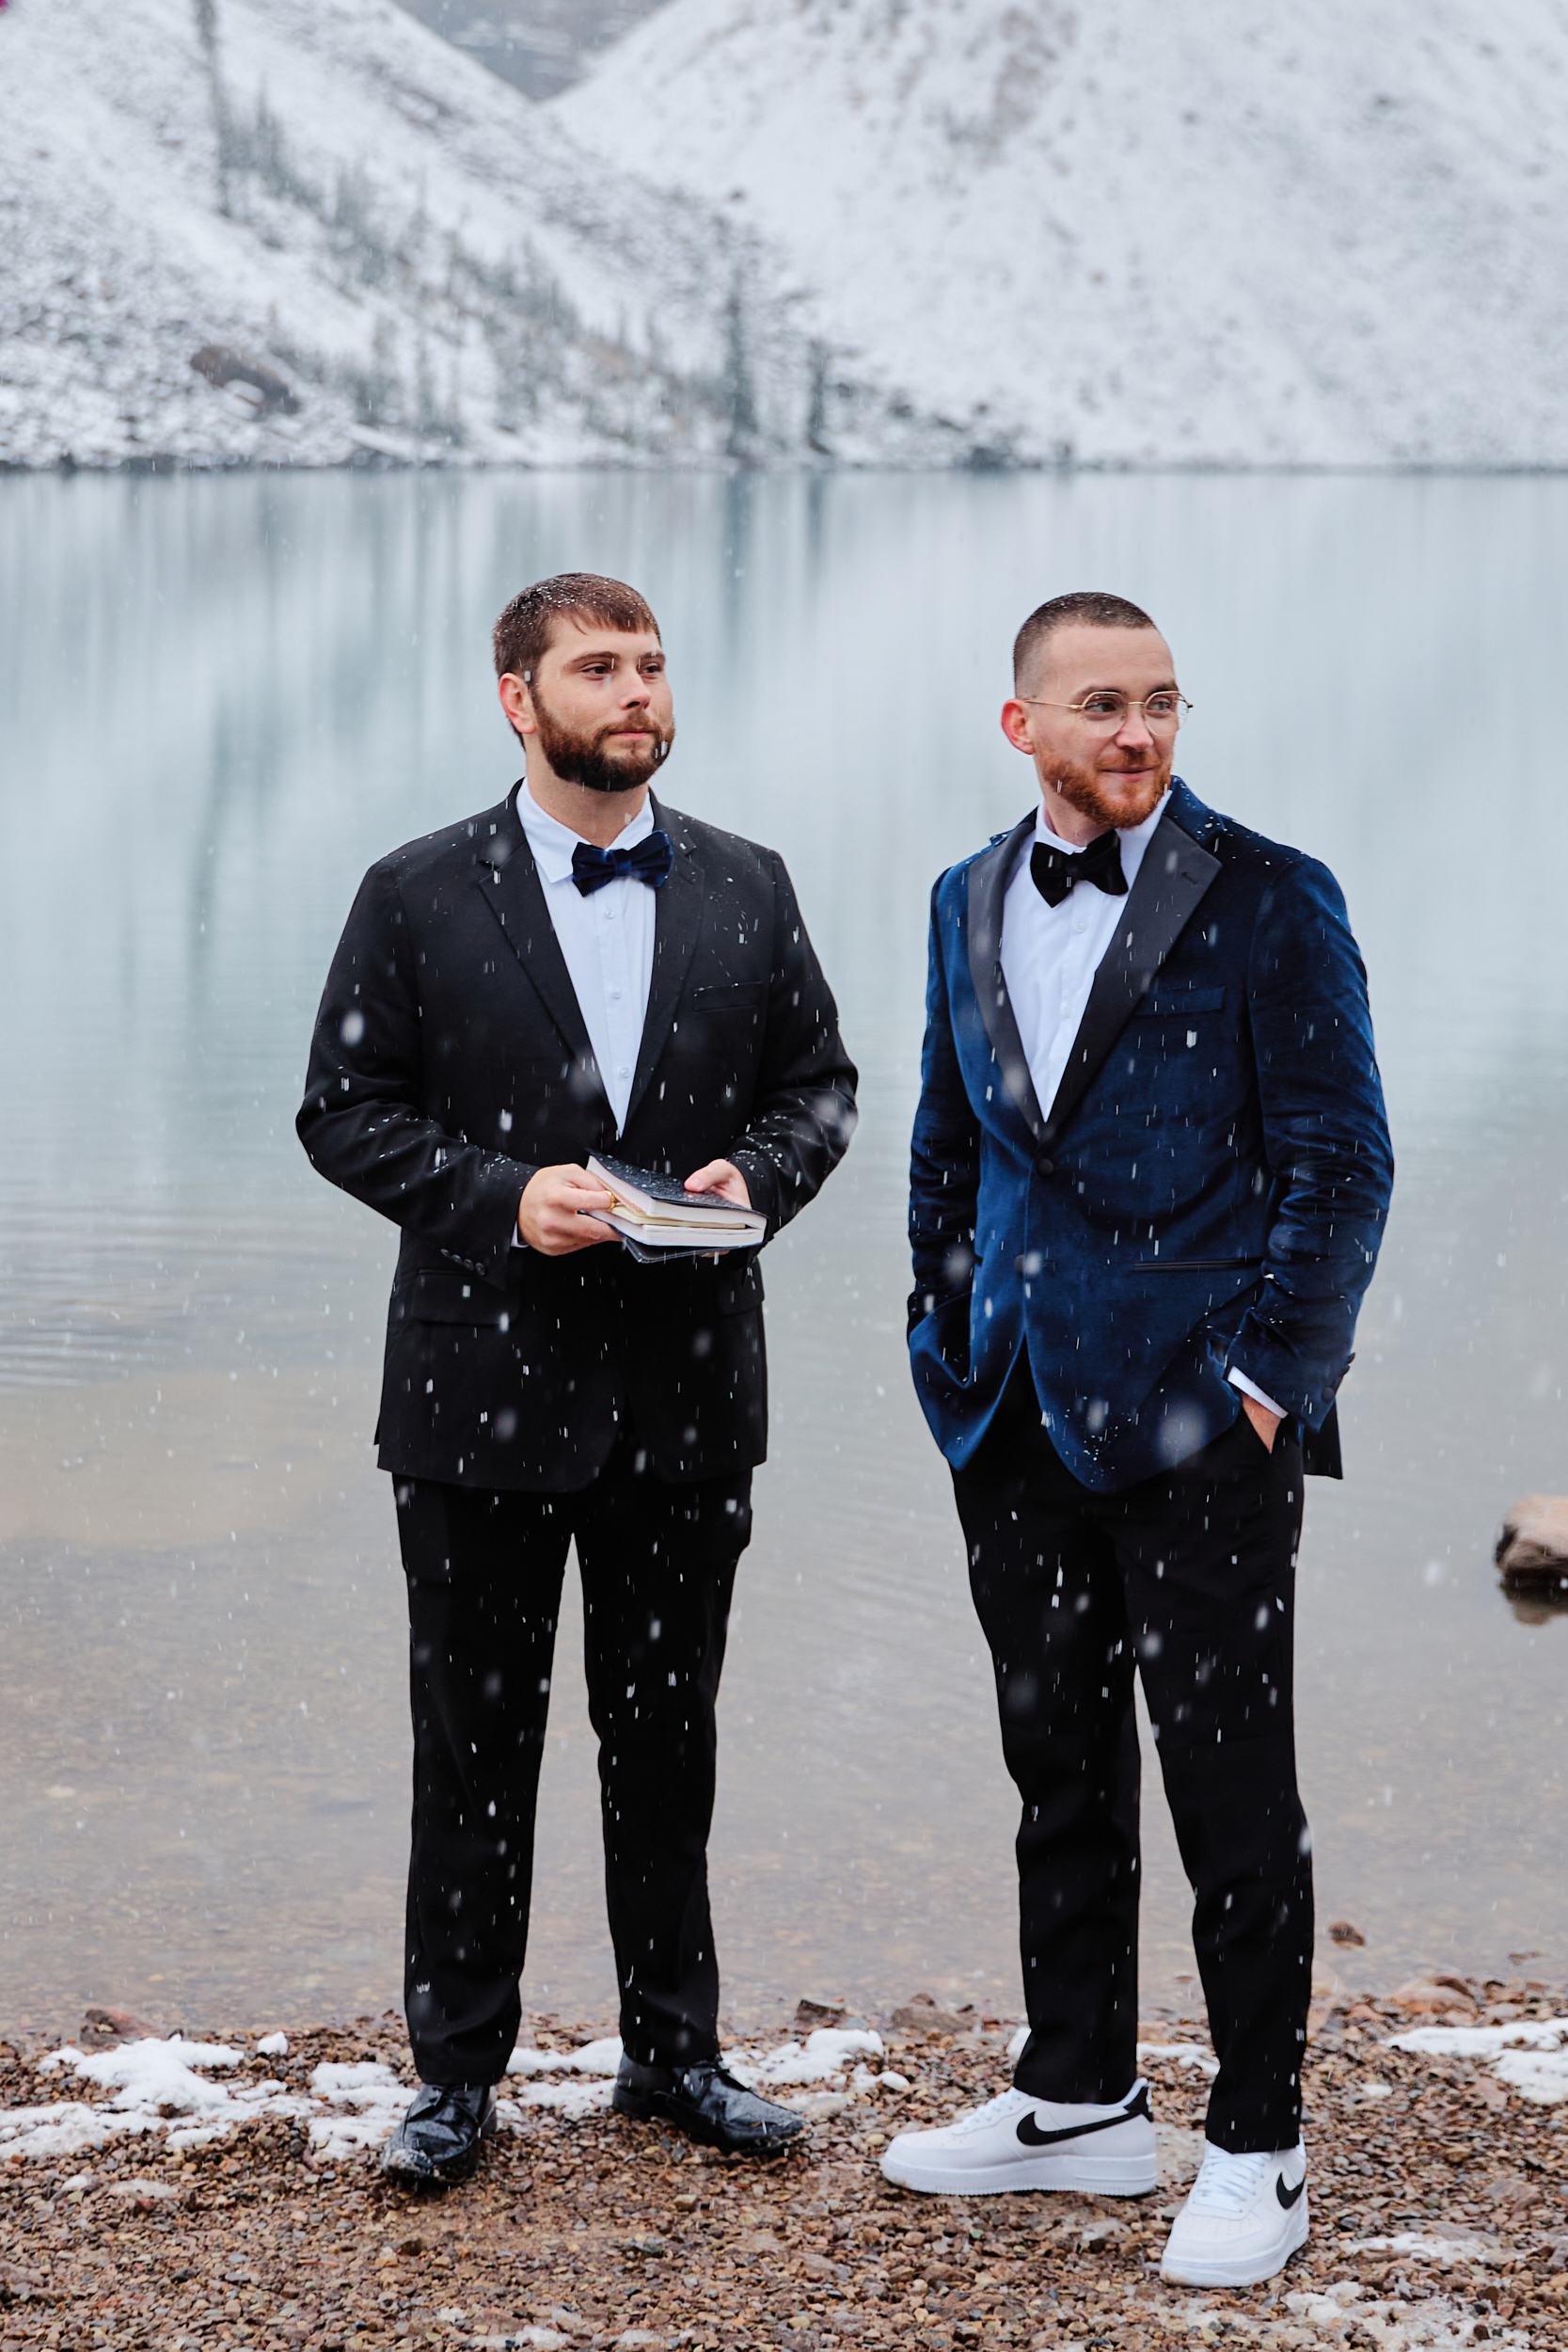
(1150, 1176)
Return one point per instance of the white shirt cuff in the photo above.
(1250, 1388)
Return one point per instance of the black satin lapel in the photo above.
(1172, 879)
(508, 880)
(677, 921)
(989, 878)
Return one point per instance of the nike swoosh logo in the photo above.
(1031, 2136)
(1288, 2197)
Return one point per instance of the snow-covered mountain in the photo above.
(905, 230)
(542, 45)
(299, 229)
(1198, 230)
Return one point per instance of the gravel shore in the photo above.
(1439, 2218)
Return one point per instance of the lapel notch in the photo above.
(677, 922)
(1175, 873)
(508, 880)
(989, 878)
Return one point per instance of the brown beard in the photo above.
(585, 759)
(1083, 789)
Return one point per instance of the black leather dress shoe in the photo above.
(439, 2139)
(708, 2105)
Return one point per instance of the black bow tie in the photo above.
(1054, 871)
(650, 862)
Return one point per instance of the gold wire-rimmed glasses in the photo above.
(1161, 711)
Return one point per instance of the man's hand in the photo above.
(1265, 1423)
(718, 1176)
(550, 1213)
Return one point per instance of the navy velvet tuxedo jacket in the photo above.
(1208, 1189)
(450, 1061)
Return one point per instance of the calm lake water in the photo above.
(219, 700)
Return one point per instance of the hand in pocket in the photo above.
(1265, 1425)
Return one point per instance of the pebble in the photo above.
(1438, 2221)
(1435, 1994)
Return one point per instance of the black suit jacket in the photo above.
(450, 1061)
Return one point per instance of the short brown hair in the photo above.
(521, 637)
(1093, 607)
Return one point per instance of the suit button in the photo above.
(1044, 1167)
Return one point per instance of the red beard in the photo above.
(1085, 789)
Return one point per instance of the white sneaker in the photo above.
(1017, 2142)
(1242, 2221)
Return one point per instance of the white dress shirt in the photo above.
(1050, 955)
(607, 939)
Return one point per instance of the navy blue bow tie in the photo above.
(1055, 871)
(650, 862)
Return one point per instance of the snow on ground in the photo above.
(594, 2057)
(1444, 2248)
(1189, 230)
(379, 248)
(1539, 2033)
(156, 2087)
(1345, 2311)
(164, 2087)
(1177, 2053)
(825, 2056)
(1532, 2058)
(575, 2097)
(824, 2053)
(169, 2087)
(1180, 2054)
(364, 2102)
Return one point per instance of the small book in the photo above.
(656, 1214)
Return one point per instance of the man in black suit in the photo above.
(579, 969)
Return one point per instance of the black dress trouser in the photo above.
(1190, 1574)
(484, 1574)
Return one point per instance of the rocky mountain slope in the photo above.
(303, 230)
(1145, 231)
(542, 45)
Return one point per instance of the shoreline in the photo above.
(1438, 2178)
(372, 455)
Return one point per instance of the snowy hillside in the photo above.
(542, 45)
(1147, 229)
(301, 230)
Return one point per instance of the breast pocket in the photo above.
(725, 1023)
(1169, 1003)
(730, 996)
(1169, 1022)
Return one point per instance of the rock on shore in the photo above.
(1533, 1548)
